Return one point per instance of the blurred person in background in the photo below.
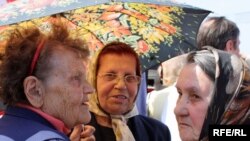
(221, 33)
(161, 101)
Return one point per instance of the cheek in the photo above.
(71, 107)
(70, 99)
(132, 93)
(103, 90)
(74, 97)
(55, 102)
(198, 115)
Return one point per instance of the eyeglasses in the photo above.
(129, 79)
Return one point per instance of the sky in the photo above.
(235, 10)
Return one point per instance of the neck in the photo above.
(104, 121)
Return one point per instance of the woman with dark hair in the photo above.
(43, 84)
(213, 89)
(116, 76)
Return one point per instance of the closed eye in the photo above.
(194, 97)
(179, 92)
(76, 80)
(109, 76)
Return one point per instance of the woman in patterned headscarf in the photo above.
(116, 77)
(213, 89)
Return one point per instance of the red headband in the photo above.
(36, 56)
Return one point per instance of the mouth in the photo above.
(182, 124)
(120, 97)
(86, 103)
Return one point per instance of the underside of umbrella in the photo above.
(158, 30)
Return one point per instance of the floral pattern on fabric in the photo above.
(156, 32)
(231, 99)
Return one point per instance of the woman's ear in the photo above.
(33, 90)
(229, 46)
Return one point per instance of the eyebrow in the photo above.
(189, 89)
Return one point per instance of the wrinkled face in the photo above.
(116, 97)
(66, 89)
(195, 90)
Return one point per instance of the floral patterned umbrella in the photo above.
(157, 30)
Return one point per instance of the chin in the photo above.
(188, 138)
(118, 112)
(85, 117)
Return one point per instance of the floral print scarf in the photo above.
(230, 103)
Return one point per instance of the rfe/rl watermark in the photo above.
(229, 132)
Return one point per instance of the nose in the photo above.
(120, 83)
(88, 89)
(181, 108)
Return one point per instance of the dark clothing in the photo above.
(143, 129)
(21, 124)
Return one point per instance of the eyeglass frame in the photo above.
(118, 78)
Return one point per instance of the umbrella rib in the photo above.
(163, 27)
(89, 31)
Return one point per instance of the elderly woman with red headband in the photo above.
(44, 86)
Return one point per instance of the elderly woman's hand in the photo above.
(83, 133)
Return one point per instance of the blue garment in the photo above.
(20, 124)
(141, 97)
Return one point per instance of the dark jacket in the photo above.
(143, 129)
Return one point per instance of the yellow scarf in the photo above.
(119, 122)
